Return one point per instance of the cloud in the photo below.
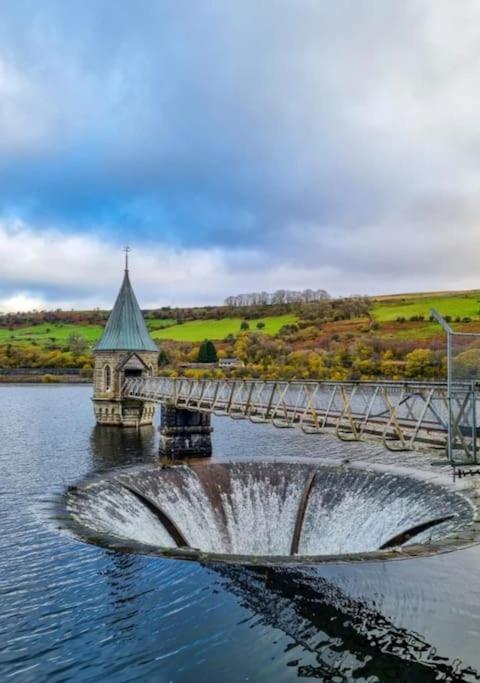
(329, 144)
(49, 269)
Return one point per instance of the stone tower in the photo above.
(125, 350)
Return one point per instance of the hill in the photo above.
(358, 338)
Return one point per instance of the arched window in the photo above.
(107, 377)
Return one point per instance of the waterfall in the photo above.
(252, 508)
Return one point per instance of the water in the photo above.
(251, 507)
(75, 612)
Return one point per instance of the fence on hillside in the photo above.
(463, 377)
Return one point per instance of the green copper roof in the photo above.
(126, 329)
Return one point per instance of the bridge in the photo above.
(402, 415)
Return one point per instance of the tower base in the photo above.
(123, 412)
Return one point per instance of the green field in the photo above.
(194, 331)
(46, 333)
(198, 330)
(456, 305)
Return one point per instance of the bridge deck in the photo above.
(404, 415)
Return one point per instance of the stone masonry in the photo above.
(108, 376)
(185, 433)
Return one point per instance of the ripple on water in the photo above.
(73, 612)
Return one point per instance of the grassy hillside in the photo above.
(198, 330)
(461, 304)
(389, 337)
(45, 334)
(194, 331)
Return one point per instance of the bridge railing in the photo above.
(403, 414)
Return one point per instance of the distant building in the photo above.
(226, 363)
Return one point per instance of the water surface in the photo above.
(73, 612)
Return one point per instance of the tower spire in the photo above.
(126, 250)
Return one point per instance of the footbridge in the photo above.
(402, 415)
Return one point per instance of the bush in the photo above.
(76, 343)
(401, 319)
(48, 379)
(245, 325)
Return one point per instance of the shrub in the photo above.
(48, 379)
(76, 343)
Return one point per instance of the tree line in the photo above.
(280, 296)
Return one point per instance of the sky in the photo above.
(236, 147)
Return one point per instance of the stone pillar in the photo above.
(185, 433)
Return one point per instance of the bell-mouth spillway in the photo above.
(271, 512)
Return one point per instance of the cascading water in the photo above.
(256, 509)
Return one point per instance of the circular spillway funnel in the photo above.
(270, 512)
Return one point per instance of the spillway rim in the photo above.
(466, 537)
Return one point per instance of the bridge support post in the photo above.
(185, 433)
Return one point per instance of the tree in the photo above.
(245, 325)
(419, 364)
(467, 364)
(207, 352)
(260, 325)
(76, 343)
(163, 358)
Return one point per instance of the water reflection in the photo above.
(114, 447)
(348, 638)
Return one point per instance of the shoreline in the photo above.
(44, 379)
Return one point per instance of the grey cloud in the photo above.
(228, 123)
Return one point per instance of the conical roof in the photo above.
(126, 329)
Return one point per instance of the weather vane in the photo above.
(126, 250)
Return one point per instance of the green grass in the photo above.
(198, 330)
(194, 331)
(455, 305)
(45, 333)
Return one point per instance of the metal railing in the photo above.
(404, 415)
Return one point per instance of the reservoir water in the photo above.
(76, 612)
